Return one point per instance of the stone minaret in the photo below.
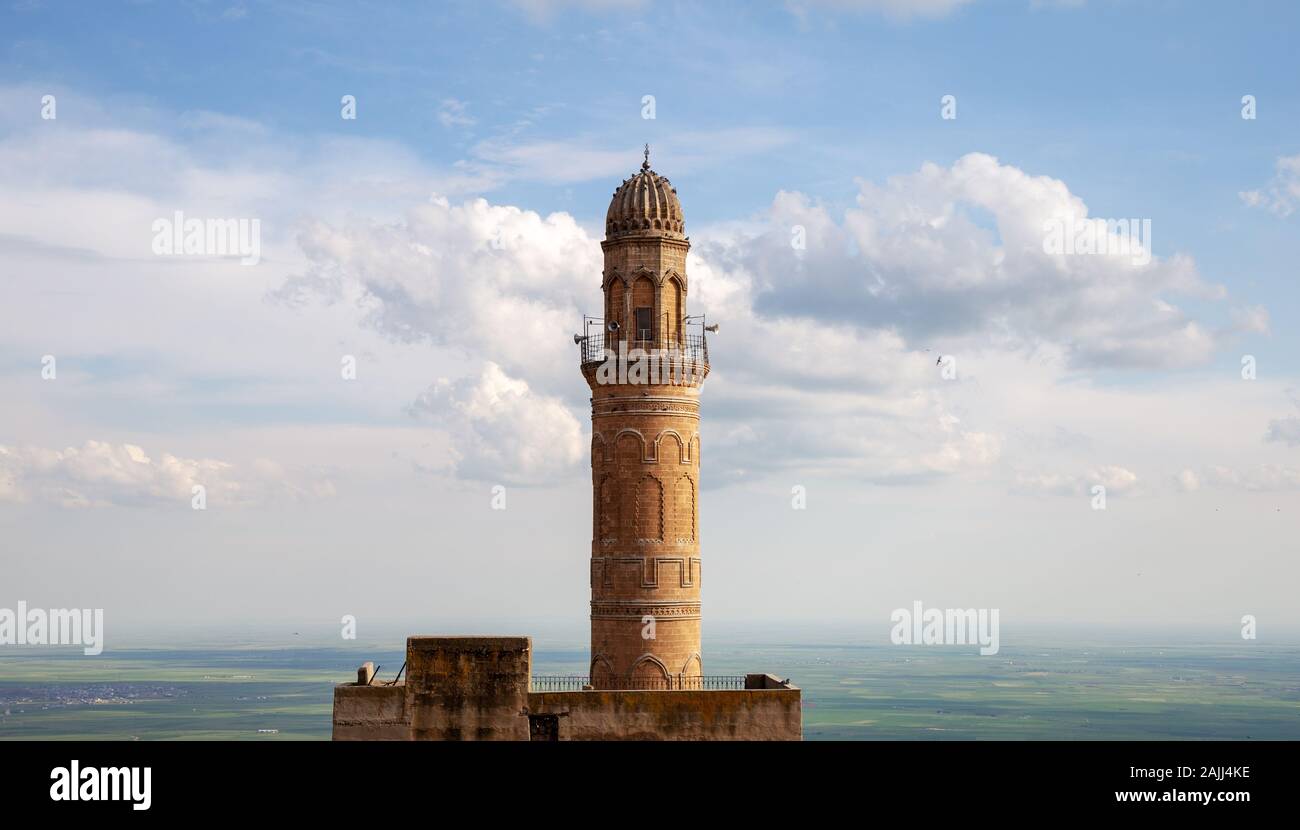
(645, 361)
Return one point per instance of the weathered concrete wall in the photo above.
(468, 688)
(708, 715)
(371, 713)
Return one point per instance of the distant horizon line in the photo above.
(794, 632)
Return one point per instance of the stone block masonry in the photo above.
(646, 674)
(477, 688)
(645, 451)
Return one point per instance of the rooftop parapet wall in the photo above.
(476, 688)
(712, 715)
(468, 688)
(371, 713)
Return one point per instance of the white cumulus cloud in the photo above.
(501, 430)
(99, 474)
(957, 254)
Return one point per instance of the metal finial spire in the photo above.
(645, 165)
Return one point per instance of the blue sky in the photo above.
(489, 121)
(1135, 104)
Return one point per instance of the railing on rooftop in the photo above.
(558, 682)
(576, 683)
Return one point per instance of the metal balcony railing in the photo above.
(687, 345)
(689, 348)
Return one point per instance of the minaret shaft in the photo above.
(645, 452)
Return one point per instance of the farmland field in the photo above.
(1075, 691)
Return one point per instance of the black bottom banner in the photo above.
(377, 782)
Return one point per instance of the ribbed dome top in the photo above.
(645, 202)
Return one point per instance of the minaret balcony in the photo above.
(689, 348)
(600, 341)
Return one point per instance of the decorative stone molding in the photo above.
(646, 568)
